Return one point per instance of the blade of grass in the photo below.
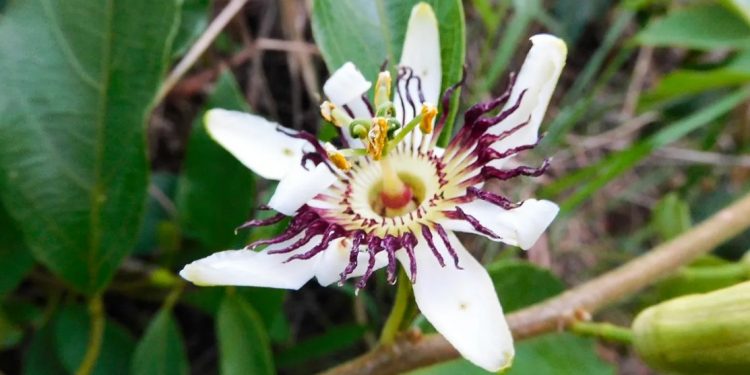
(590, 179)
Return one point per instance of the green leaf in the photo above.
(520, 284)
(244, 347)
(368, 32)
(684, 82)
(10, 333)
(72, 337)
(702, 26)
(589, 180)
(334, 339)
(14, 255)
(79, 78)
(41, 356)
(215, 192)
(160, 351)
(558, 354)
(163, 185)
(670, 216)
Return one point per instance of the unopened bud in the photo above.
(697, 334)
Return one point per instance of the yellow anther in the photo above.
(334, 115)
(428, 118)
(376, 137)
(326, 109)
(337, 158)
(382, 88)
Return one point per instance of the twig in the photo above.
(703, 157)
(200, 46)
(559, 312)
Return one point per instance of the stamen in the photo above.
(334, 115)
(376, 137)
(428, 118)
(337, 158)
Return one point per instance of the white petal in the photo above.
(255, 142)
(299, 186)
(335, 259)
(250, 268)
(345, 87)
(520, 226)
(421, 52)
(462, 305)
(539, 75)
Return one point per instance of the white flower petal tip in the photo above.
(421, 53)
(255, 142)
(299, 187)
(346, 85)
(554, 44)
(463, 306)
(248, 268)
(538, 77)
(538, 215)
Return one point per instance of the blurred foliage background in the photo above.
(106, 192)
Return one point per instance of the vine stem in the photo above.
(604, 331)
(200, 46)
(560, 312)
(96, 313)
(396, 317)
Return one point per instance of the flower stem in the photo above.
(398, 312)
(604, 331)
(96, 312)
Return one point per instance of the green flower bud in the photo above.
(697, 334)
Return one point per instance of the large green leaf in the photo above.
(72, 327)
(14, 255)
(215, 192)
(368, 32)
(79, 78)
(41, 356)
(244, 347)
(702, 26)
(521, 284)
(160, 351)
